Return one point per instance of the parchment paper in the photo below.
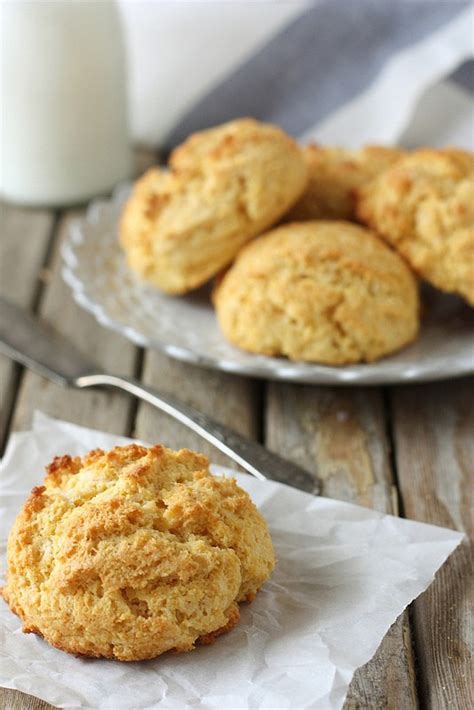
(344, 575)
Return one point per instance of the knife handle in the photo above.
(252, 456)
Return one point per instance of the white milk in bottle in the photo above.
(64, 132)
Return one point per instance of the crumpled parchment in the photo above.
(344, 575)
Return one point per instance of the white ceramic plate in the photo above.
(185, 327)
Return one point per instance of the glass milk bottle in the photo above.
(64, 132)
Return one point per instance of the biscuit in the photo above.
(225, 186)
(424, 207)
(135, 552)
(334, 174)
(322, 291)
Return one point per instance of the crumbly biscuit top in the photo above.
(142, 547)
(225, 185)
(334, 174)
(424, 206)
(323, 291)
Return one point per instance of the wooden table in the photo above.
(402, 450)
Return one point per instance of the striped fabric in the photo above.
(464, 75)
(343, 71)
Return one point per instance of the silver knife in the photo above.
(27, 341)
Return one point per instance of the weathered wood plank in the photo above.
(109, 411)
(231, 400)
(105, 410)
(339, 435)
(433, 427)
(13, 700)
(25, 237)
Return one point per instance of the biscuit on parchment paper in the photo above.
(135, 552)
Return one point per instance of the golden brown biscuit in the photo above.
(327, 291)
(334, 174)
(134, 552)
(226, 185)
(424, 207)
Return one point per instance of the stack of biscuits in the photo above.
(316, 251)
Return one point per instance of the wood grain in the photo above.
(25, 238)
(14, 700)
(105, 410)
(231, 400)
(339, 435)
(433, 428)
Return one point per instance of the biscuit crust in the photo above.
(322, 291)
(225, 186)
(424, 207)
(334, 174)
(135, 552)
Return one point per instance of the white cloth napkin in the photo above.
(344, 575)
(334, 71)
